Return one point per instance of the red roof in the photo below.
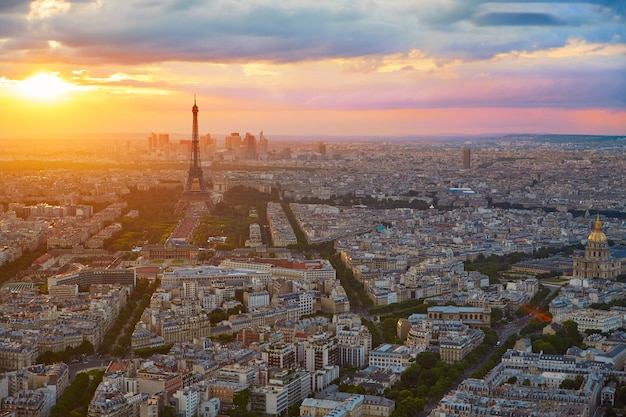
(117, 367)
(43, 258)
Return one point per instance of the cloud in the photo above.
(576, 76)
(335, 54)
(152, 31)
(517, 19)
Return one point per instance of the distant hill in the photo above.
(551, 138)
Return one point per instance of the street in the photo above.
(92, 362)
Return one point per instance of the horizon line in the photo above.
(450, 135)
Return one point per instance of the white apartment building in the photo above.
(320, 350)
(589, 319)
(254, 300)
(305, 303)
(187, 401)
(354, 346)
(284, 390)
(387, 355)
(238, 374)
(209, 408)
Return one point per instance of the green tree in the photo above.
(168, 412)
(411, 375)
(48, 358)
(76, 398)
(491, 337)
(352, 389)
(154, 222)
(535, 325)
(86, 348)
(427, 360)
(119, 351)
(240, 405)
(572, 384)
(496, 316)
(388, 327)
(408, 407)
(570, 331)
(376, 336)
(217, 315)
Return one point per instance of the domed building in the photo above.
(597, 261)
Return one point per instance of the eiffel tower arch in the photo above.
(197, 188)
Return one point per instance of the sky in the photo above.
(312, 67)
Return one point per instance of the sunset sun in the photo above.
(45, 86)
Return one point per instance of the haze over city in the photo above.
(312, 67)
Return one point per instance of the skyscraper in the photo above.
(153, 143)
(263, 144)
(164, 140)
(467, 158)
(249, 146)
(233, 141)
(208, 145)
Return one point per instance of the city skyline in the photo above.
(319, 68)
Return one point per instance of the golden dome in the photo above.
(597, 236)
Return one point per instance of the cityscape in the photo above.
(317, 278)
(313, 209)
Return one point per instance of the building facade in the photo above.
(320, 350)
(476, 317)
(597, 261)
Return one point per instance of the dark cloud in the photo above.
(617, 6)
(517, 19)
(9, 27)
(14, 6)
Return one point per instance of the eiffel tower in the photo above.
(201, 193)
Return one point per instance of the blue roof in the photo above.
(617, 350)
(618, 253)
